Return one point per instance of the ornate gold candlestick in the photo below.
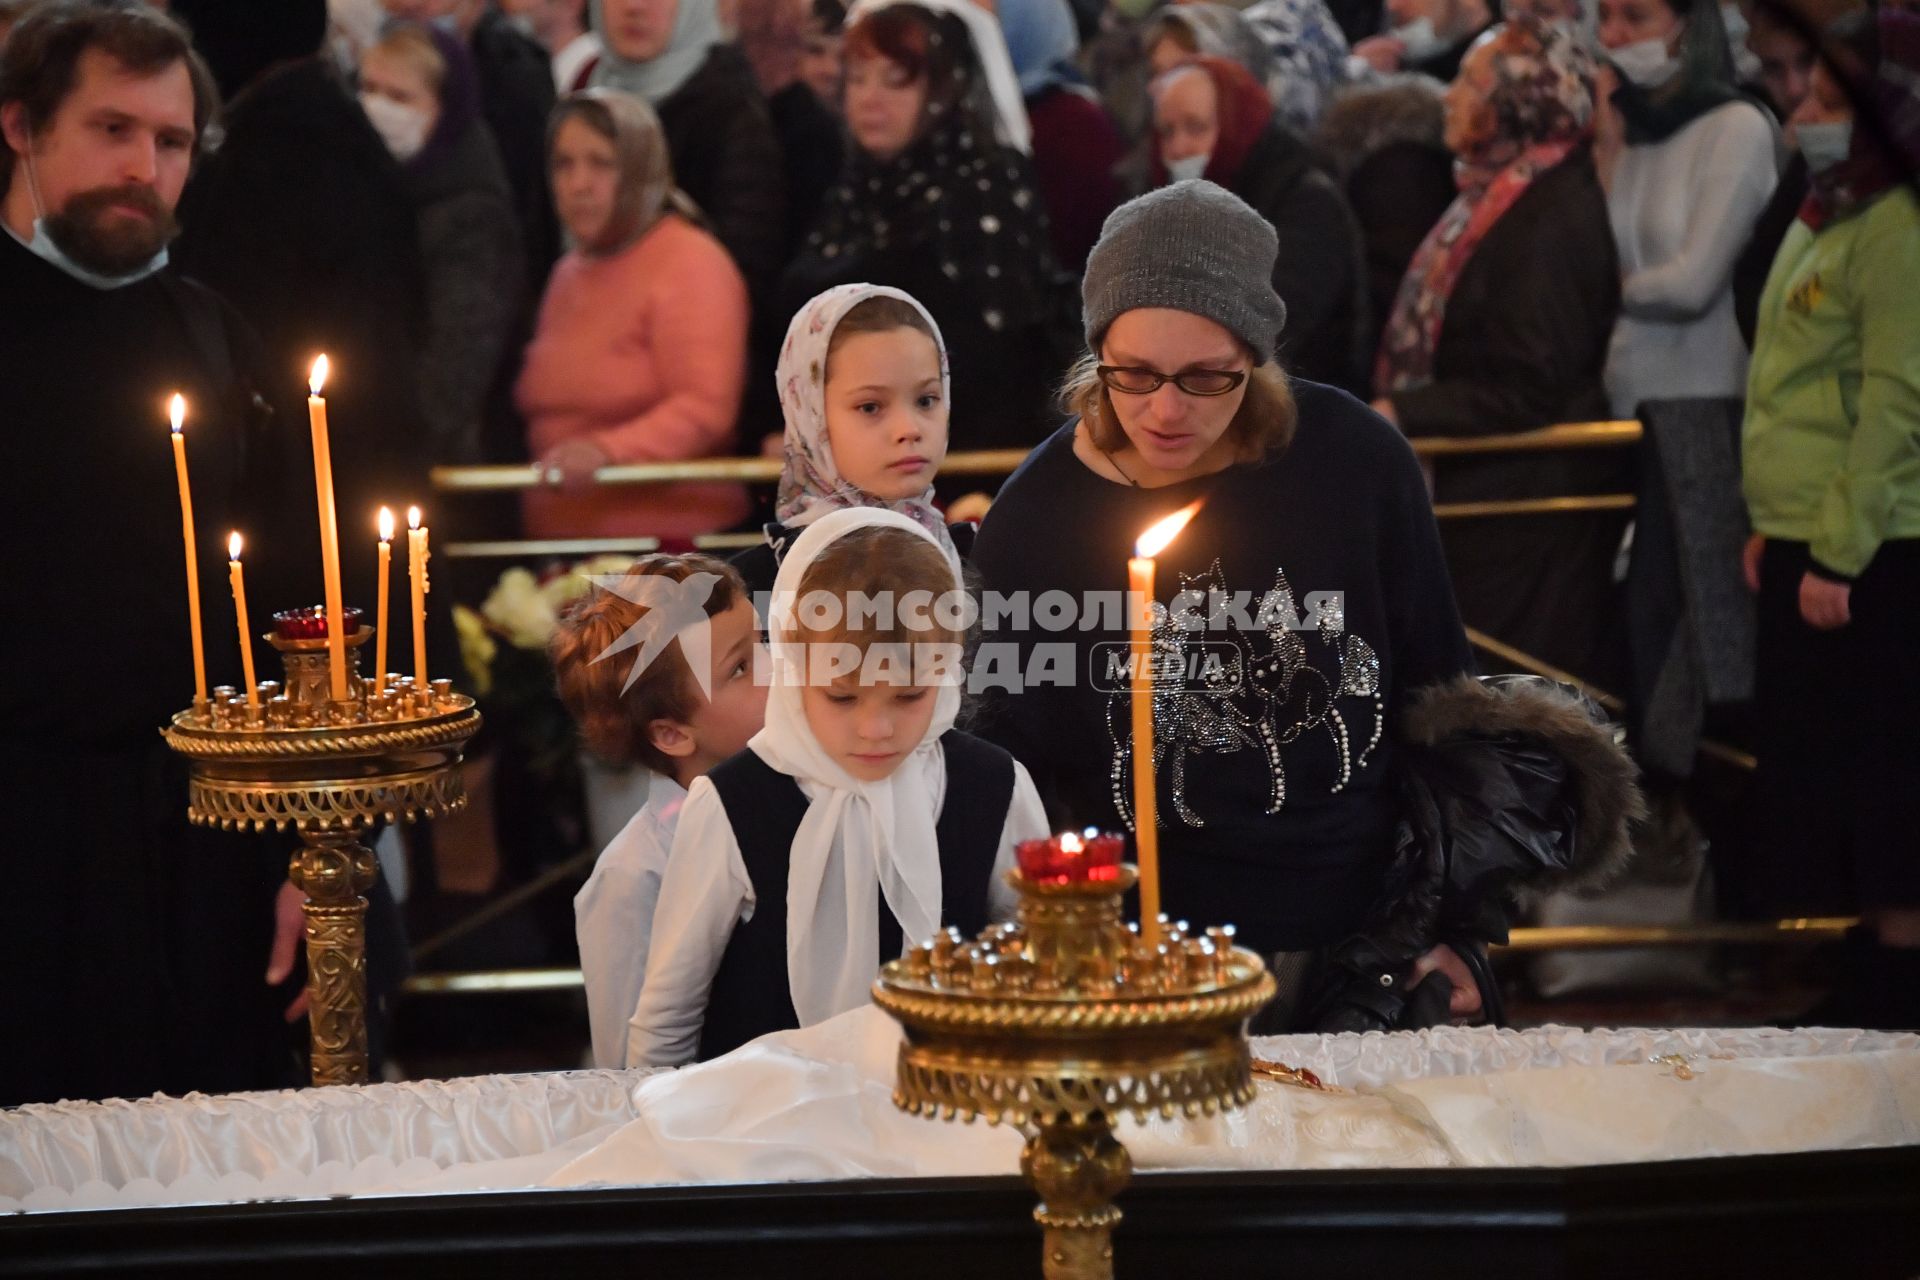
(1060, 1023)
(331, 771)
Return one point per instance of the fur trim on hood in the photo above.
(1373, 115)
(1605, 795)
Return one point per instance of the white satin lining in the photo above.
(814, 1104)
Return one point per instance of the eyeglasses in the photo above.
(1195, 382)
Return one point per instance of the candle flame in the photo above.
(413, 517)
(318, 378)
(1158, 537)
(386, 524)
(177, 411)
(233, 545)
(1071, 843)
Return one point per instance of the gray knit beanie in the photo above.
(1192, 247)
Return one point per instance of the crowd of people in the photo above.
(1230, 253)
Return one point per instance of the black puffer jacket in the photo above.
(1510, 784)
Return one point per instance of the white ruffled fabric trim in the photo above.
(125, 1152)
(814, 1104)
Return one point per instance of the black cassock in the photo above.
(133, 948)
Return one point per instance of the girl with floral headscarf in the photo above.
(1502, 324)
(864, 389)
(1831, 470)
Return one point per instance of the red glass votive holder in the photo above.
(311, 623)
(1071, 857)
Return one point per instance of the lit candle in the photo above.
(417, 567)
(329, 532)
(380, 608)
(177, 411)
(240, 613)
(1146, 816)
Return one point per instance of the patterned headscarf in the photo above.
(1542, 104)
(1885, 87)
(953, 194)
(1243, 112)
(810, 481)
(1215, 29)
(646, 190)
(1309, 56)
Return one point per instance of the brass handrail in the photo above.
(991, 462)
(1805, 931)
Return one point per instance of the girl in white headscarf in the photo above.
(865, 392)
(857, 823)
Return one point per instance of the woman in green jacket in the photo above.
(1832, 479)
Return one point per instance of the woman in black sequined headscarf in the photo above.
(933, 201)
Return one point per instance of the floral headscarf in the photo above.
(1885, 88)
(810, 481)
(1542, 101)
(1309, 56)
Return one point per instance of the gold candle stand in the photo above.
(331, 771)
(1060, 1023)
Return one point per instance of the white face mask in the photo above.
(1187, 168)
(1419, 38)
(402, 128)
(43, 246)
(1824, 145)
(1648, 63)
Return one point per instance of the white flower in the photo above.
(520, 610)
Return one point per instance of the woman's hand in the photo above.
(1826, 605)
(1750, 560)
(1465, 1002)
(571, 465)
(1383, 53)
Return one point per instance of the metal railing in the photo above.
(985, 462)
(1806, 931)
(762, 471)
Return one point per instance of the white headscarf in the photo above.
(810, 481)
(696, 29)
(996, 64)
(856, 836)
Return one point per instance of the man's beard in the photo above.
(107, 240)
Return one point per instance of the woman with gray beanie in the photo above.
(1323, 600)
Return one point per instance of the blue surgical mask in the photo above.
(43, 246)
(1824, 145)
(447, 23)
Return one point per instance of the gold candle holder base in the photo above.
(330, 771)
(1060, 1024)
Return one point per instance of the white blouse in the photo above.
(1682, 210)
(706, 892)
(613, 917)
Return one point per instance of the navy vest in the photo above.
(749, 996)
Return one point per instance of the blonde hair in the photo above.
(614, 719)
(879, 562)
(414, 47)
(1262, 427)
